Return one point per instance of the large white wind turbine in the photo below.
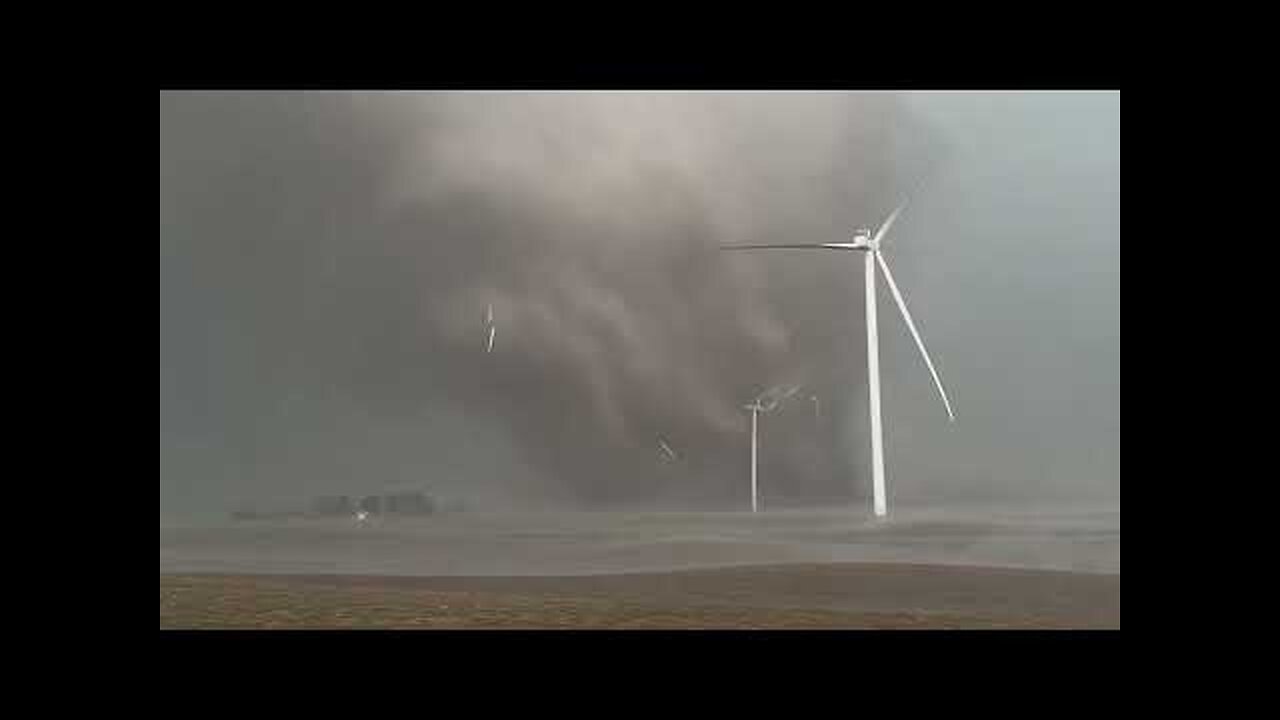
(869, 243)
(766, 401)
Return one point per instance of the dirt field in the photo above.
(838, 596)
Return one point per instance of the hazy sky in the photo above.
(326, 260)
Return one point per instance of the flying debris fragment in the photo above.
(666, 449)
(489, 322)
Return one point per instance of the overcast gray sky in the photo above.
(326, 259)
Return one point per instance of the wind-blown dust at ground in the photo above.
(515, 301)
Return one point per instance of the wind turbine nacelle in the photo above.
(862, 238)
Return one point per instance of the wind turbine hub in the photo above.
(862, 239)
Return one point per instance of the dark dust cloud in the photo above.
(326, 260)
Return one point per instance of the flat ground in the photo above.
(800, 596)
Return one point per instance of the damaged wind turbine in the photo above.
(766, 401)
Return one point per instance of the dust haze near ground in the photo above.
(326, 259)
(1067, 538)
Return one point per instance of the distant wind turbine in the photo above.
(766, 401)
(869, 243)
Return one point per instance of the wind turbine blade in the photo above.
(804, 246)
(490, 346)
(902, 305)
(884, 228)
(488, 316)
